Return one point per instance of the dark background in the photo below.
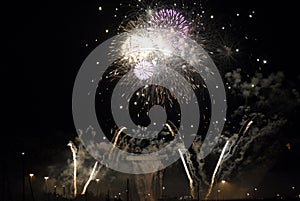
(46, 46)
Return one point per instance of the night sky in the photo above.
(46, 42)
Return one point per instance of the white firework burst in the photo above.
(144, 70)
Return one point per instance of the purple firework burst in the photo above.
(170, 19)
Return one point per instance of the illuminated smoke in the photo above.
(74, 151)
(90, 178)
(216, 170)
(187, 172)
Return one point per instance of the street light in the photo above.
(30, 185)
(64, 191)
(46, 179)
(223, 182)
(55, 191)
(254, 193)
(218, 197)
(97, 180)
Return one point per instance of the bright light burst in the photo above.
(170, 19)
(143, 70)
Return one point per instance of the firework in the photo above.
(187, 172)
(90, 178)
(143, 70)
(74, 151)
(216, 170)
(170, 19)
(156, 64)
(235, 142)
(170, 129)
(118, 135)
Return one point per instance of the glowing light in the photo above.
(117, 136)
(216, 170)
(187, 172)
(74, 151)
(90, 178)
(46, 178)
(31, 175)
(223, 181)
(143, 70)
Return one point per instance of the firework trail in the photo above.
(170, 129)
(90, 178)
(74, 151)
(216, 170)
(115, 139)
(244, 129)
(248, 126)
(118, 135)
(187, 172)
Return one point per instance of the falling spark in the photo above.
(90, 178)
(170, 129)
(74, 151)
(216, 170)
(118, 135)
(116, 140)
(247, 127)
(187, 172)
